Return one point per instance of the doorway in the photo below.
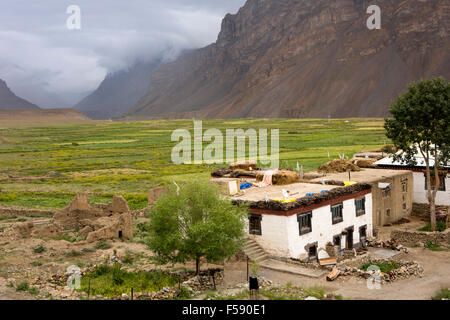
(349, 239)
(363, 235)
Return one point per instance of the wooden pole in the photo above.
(247, 269)
(132, 293)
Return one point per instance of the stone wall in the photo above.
(414, 237)
(422, 210)
(23, 212)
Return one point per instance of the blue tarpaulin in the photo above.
(244, 186)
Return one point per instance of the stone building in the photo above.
(420, 179)
(392, 191)
(100, 221)
(312, 216)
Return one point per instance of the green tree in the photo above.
(195, 222)
(420, 124)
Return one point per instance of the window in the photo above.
(363, 232)
(433, 182)
(388, 212)
(405, 185)
(255, 224)
(312, 251)
(337, 240)
(304, 223)
(360, 205)
(337, 213)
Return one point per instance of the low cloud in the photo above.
(38, 52)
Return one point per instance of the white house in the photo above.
(301, 227)
(420, 178)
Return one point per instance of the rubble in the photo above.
(333, 274)
(415, 237)
(101, 221)
(405, 270)
(388, 244)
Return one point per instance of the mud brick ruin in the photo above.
(97, 222)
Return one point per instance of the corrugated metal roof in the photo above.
(420, 162)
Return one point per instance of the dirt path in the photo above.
(436, 276)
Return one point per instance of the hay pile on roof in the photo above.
(307, 200)
(363, 162)
(281, 177)
(338, 165)
(248, 165)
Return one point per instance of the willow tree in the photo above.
(195, 222)
(421, 126)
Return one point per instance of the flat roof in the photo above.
(296, 190)
(365, 175)
(420, 162)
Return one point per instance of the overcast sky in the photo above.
(42, 60)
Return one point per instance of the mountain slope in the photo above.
(118, 92)
(9, 101)
(304, 58)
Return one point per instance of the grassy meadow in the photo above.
(44, 166)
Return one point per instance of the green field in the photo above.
(44, 166)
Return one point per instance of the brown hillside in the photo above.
(299, 58)
(9, 101)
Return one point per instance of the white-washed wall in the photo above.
(274, 238)
(280, 234)
(420, 193)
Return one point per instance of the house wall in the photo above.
(280, 234)
(420, 193)
(397, 204)
(274, 238)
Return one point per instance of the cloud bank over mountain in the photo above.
(48, 64)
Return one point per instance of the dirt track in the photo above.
(436, 276)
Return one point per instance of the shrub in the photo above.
(33, 290)
(23, 286)
(39, 249)
(103, 245)
(73, 253)
(112, 281)
(385, 266)
(441, 295)
(128, 258)
(36, 263)
(117, 274)
(184, 293)
(440, 226)
(433, 246)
